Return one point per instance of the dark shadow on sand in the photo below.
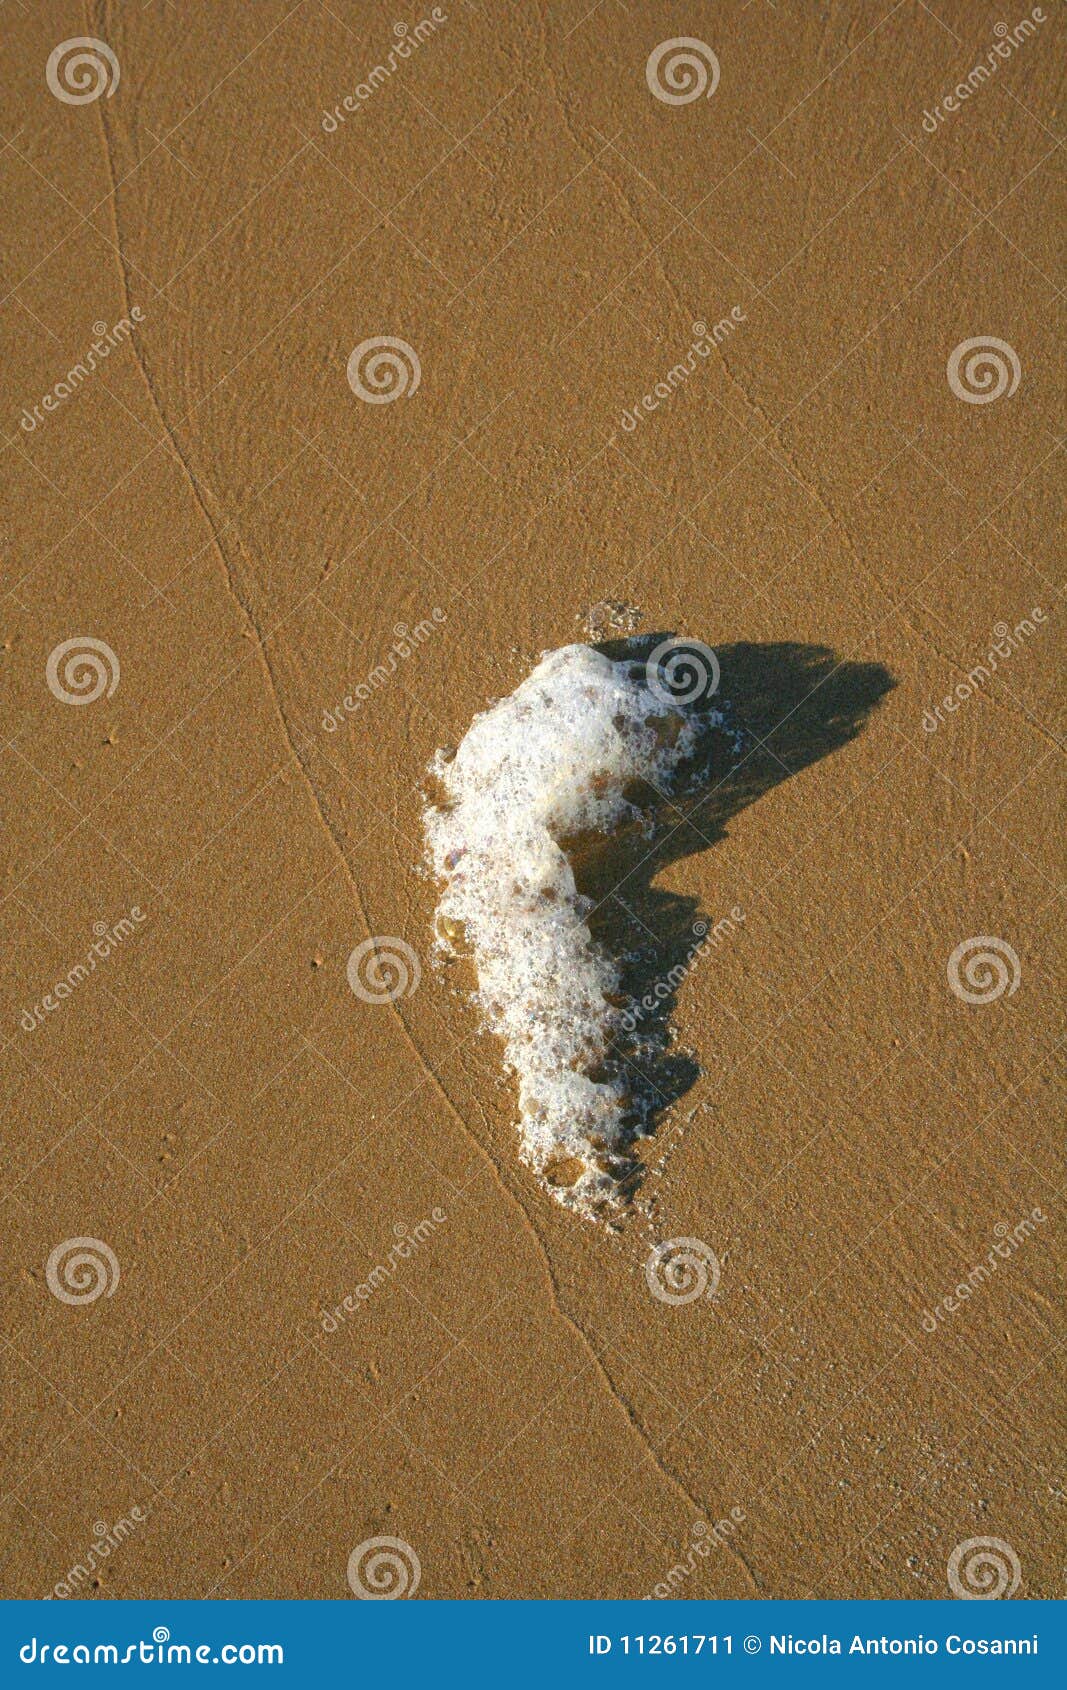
(784, 706)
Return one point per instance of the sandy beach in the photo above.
(354, 361)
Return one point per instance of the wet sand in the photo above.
(852, 528)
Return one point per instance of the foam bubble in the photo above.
(557, 760)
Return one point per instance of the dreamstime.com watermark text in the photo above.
(1008, 1240)
(702, 1540)
(407, 41)
(657, 996)
(1006, 641)
(408, 1241)
(107, 939)
(106, 1540)
(405, 645)
(102, 345)
(677, 376)
(1003, 47)
(158, 1650)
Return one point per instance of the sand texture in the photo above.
(549, 335)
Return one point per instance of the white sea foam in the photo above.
(555, 762)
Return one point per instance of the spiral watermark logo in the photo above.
(383, 369)
(683, 1269)
(681, 70)
(983, 369)
(982, 969)
(81, 670)
(81, 1270)
(682, 672)
(81, 69)
(383, 968)
(983, 1569)
(383, 1569)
